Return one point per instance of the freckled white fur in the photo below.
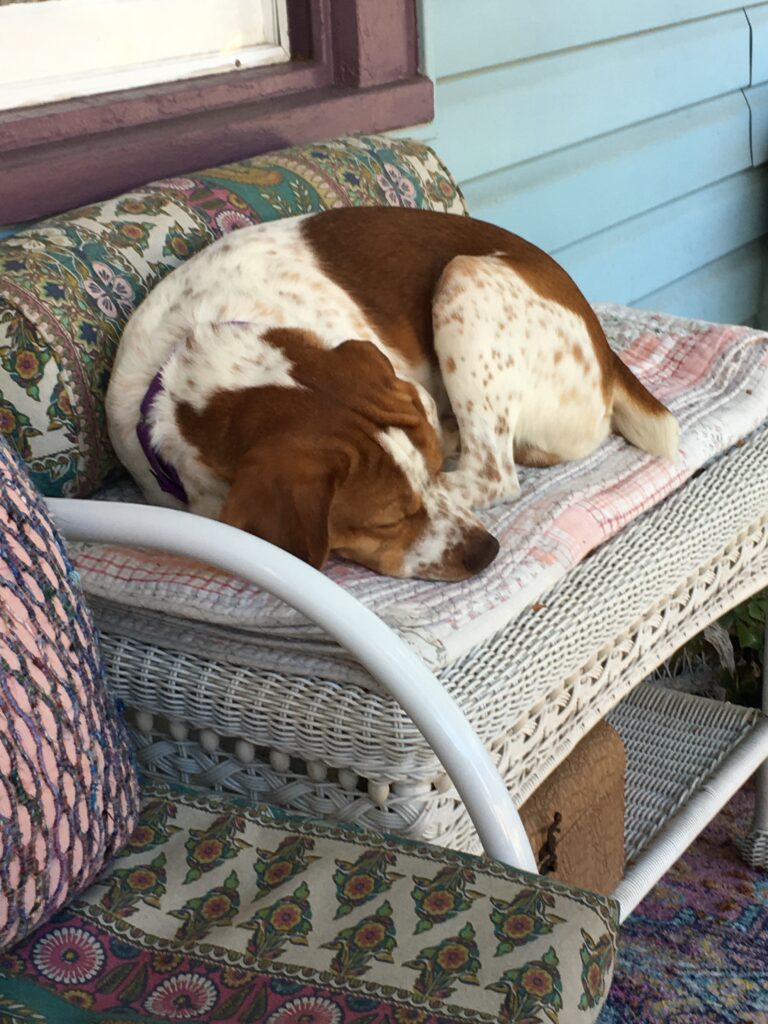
(207, 358)
(447, 522)
(509, 367)
(264, 276)
(224, 357)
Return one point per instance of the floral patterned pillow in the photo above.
(217, 911)
(68, 792)
(69, 283)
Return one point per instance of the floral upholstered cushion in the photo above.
(220, 912)
(69, 283)
(68, 794)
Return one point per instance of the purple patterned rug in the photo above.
(696, 948)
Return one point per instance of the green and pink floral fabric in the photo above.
(219, 912)
(69, 283)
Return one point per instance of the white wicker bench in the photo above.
(294, 719)
(205, 713)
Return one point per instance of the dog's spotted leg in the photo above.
(472, 323)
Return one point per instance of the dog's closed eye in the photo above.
(392, 520)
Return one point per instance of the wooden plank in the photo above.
(496, 118)
(499, 31)
(728, 290)
(758, 19)
(564, 196)
(644, 254)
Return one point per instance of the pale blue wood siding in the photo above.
(626, 138)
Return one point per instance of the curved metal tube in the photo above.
(359, 630)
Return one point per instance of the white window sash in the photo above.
(59, 49)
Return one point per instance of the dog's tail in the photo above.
(641, 418)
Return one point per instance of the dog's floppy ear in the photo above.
(285, 500)
(377, 391)
(385, 398)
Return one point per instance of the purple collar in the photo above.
(163, 472)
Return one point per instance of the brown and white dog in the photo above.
(294, 378)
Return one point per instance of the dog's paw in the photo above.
(478, 489)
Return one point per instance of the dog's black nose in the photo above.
(481, 553)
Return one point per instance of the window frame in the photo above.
(353, 67)
(90, 47)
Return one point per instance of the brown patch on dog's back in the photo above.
(390, 260)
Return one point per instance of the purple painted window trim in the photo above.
(354, 67)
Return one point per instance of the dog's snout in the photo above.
(480, 553)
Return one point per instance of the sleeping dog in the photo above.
(295, 379)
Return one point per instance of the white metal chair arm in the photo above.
(357, 629)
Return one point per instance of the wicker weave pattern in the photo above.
(499, 683)
(754, 849)
(532, 692)
(650, 726)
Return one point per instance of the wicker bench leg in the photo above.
(754, 847)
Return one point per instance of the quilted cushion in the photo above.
(713, 377)
(220, 912)
(68, 795)
(68, 284)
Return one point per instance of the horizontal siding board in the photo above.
(503, 31)
(565, 196)
(757, 98)
(642, 255)
(492, 119)
(728, 290)
(758, 19)
(616, 136)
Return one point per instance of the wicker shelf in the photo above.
(686, 756)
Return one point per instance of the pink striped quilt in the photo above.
(713, 377)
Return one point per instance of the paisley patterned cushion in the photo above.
(68, 795)
(220, 912)
(68, 284)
